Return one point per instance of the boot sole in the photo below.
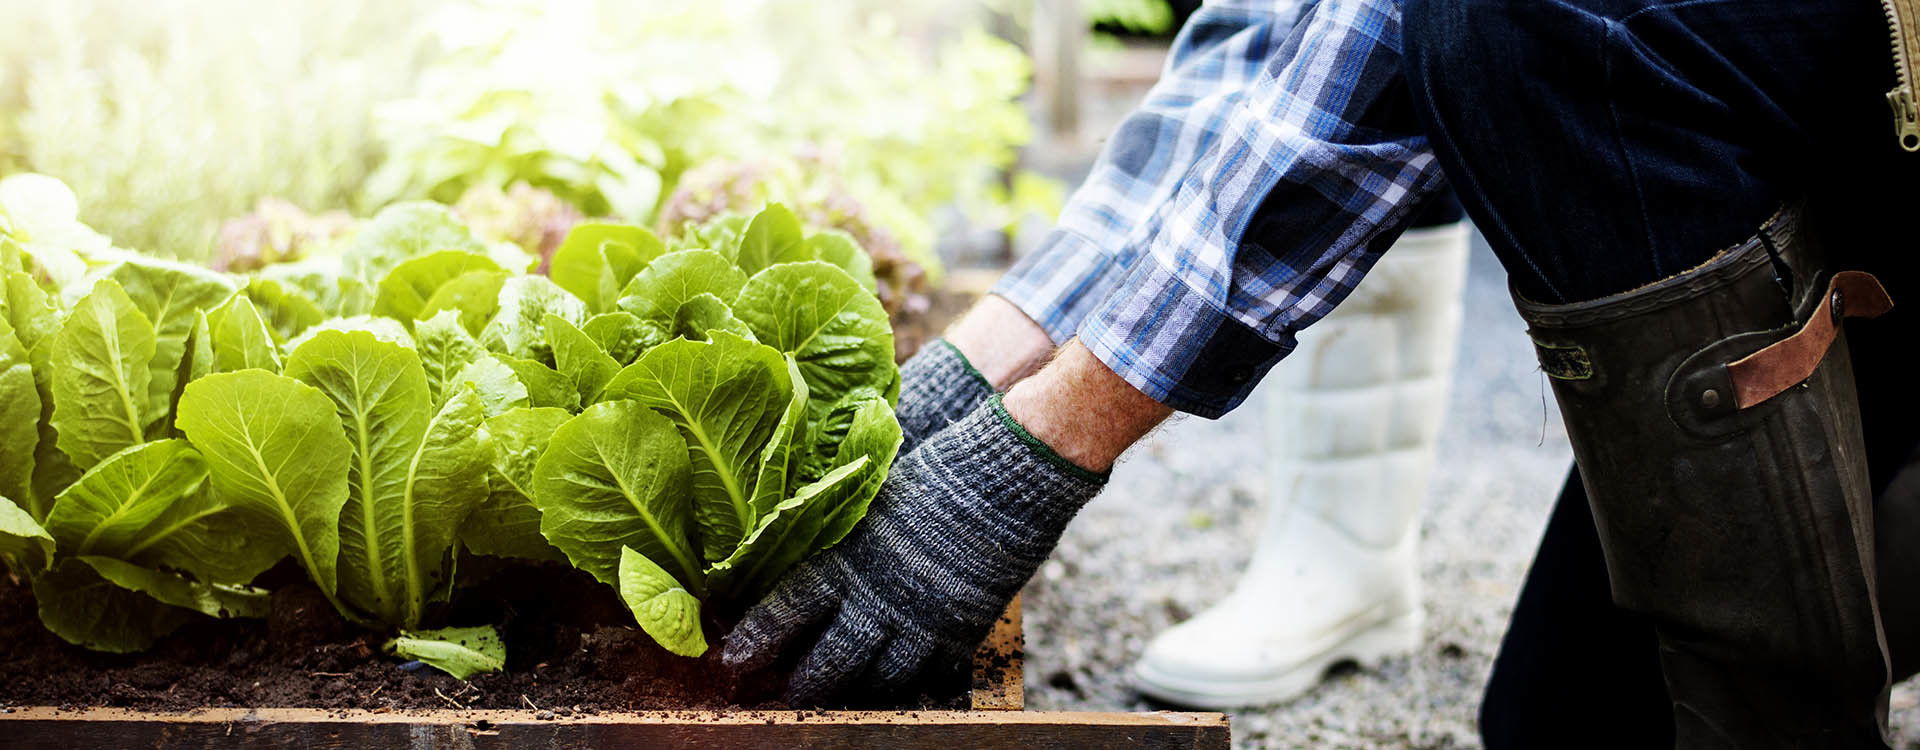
(1366, 648)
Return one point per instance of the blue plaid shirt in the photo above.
(1274, 161)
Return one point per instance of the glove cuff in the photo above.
(1046, 452)
(938, 386)
(1029, 490)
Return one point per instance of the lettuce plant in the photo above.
(755, 431)
(683, 419)
(102, 506)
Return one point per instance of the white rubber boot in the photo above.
(1354, 413)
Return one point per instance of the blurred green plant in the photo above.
(1147, 17)
(167, 116)
(607, 108)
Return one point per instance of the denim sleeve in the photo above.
(1261, 179)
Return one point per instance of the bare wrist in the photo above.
(1000, 341)
(1082, 410)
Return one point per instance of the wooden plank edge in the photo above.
(502, 717)
(999, 674)
(35, 728)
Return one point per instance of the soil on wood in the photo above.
(571, 649)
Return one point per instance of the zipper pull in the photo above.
(1906, 118)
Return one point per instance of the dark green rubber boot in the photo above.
(1714, 420)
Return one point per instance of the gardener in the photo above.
(1670, 187)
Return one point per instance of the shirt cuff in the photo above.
(1061, 282)
(1174, 345)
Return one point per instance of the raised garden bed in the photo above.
(206, 641)
(994, 717)
(40, 727)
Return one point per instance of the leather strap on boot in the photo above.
(1715, 424)
(1764, 374)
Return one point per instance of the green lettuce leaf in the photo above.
(784, 449)
(580, 358)
(414, 476)
(287, 310)
(507, 523)
(474, 294)
(658, 291)
(596, 261)
(831, 325)
(721, 234)
(623, 336)
(24, 540)
(820, 513)
(27, 309)
(276, 453)
(52, 469)
(520, 329)
(704, 313)
(875, 438)
(214, 541)
(452, 358)
(210, 599)
(86, 609)
(773, 236)
(785, 536)
(461, 652)
(110, 509)
(726, 396)
(617, 476)
(663, 607)
(496, 385)
(171, 296)
(19, 419)
(546, 387)
(384, 329)
(41, 214)
(445, 348)
(840, 249)
(825, 433)
(406, 291)
(195, 363)
(240, 338)
(404, 231)
(101, 396)
(148, 505)
(337, 295)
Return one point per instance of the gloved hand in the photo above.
(960, 525)
(937, 387)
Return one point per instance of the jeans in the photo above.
(1604, 144)
(1601, 145)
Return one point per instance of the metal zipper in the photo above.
(1902, 17)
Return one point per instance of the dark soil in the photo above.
(571, 649)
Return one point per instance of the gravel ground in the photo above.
(1173, 530)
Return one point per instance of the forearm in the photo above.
(1000, 341)
(1082, 410)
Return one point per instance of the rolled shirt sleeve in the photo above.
(1263, 177)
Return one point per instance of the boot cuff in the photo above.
(1782, 230)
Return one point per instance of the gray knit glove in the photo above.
(937, 387)
(959, 527)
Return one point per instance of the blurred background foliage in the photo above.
(167, 116)
(170, 117)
